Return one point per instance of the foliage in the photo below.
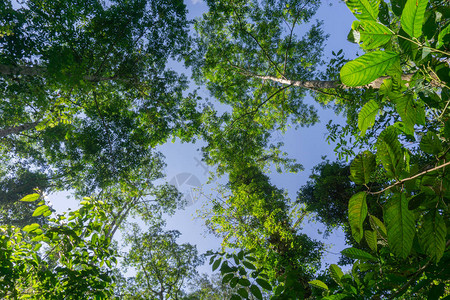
(162, 266)
(86, 93)
(68, 257)
(412, 193)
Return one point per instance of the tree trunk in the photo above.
(17, 129)
(320, 85)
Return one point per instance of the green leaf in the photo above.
(371, 239)
(367, 68)
(43, 209)
(249, 265)
(235, 297)
(409, 110)
(400, 225)
(378, 226)
(357, 212)
(430, 143)
(336, 297)
(256, 291)
(264, 284)
(364, 9)
(336, 273)
(443, 38)
(30, 198)
(233, 282)
(416, 200)
(31, 227)
(390, 153)
(432, 235)
(216, 264)
(243, 292)
(244, 282)
(227, 278)
(362, 167)
(367, 115)
(372, 34)
(412, 17)
(319, 284)
(358, 254)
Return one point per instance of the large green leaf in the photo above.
(366, 117)
(389, 151)
(364, 9)
(357, 212)
(31, 227)
(371, 239)
(432, 235)
(372, 34)
(412, 17)
(378, 226)
(409, 110)
(319, 284)
(444, 37)
(400, 225)
(336, 273)
(358, 254)
(256, 292)
(430, 143)
(41, 210)
(362, 167)
(30, 198)
(367, 68)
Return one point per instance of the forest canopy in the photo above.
(88, 94)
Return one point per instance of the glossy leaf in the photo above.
(256, 292)
(390, 152)
(358, 254)
(31, 227)
(372, 34)
(319, 284)
(243, 292)
(367, 115)
(364, 9)
(249, 265)
(400, 225)
(432, 235)
(412, 17)
(30, 198)
(367, 68)
(41, 210)
(264, 284)
(357, 212)
(216, 264)
(371, 239)
(430, 143)
(362, 167)
(378, 226)
(244, 282)
(336, 273)
(409, 110)
(444, 37)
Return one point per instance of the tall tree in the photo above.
(163, 267)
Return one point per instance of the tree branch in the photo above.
(410, 178)
(17, 129)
